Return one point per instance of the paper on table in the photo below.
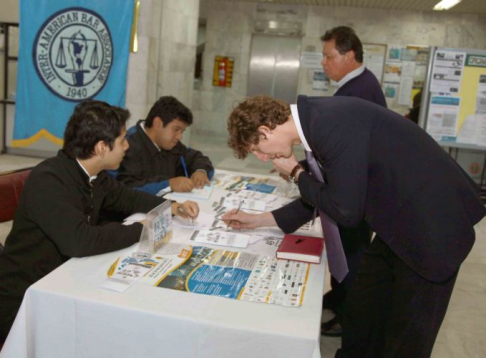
(126, 271)
(203, 221)
(248, 204)
(221, 238)
(201, 194)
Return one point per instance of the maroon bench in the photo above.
(11, 186)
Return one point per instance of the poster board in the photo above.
(374, 59)
(455, 115)
(404, 74)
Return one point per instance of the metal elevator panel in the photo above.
(274, 67)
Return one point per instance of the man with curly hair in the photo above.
(371, 165)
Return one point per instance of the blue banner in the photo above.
(70, 50)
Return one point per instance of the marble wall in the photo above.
(164, 63)
(230, 26)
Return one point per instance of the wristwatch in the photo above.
(293, 173)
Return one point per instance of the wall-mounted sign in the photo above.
(223, 71)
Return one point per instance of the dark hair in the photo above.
(168, 108)
(346, 40)
(248, 116)
(92, 121)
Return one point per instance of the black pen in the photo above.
(239, 207)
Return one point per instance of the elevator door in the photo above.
(274, 67)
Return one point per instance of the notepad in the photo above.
(301, 248)
(195, 194)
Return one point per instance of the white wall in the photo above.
(164, 63)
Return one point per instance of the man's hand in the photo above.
(283, 176)
(181, 184)
(187, 210)
(200, 179)
(238, 219)
(285, 165)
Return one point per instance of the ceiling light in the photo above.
(446, 4)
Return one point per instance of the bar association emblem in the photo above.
(73, 53)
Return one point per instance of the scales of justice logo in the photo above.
(73, 53)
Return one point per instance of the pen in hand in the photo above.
(184, 166)
(239, 207)
(183, 212)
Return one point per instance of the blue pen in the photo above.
(184, 166)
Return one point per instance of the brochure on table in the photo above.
(235, 275)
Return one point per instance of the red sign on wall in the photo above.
(223, 71)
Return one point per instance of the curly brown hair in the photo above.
(248, 116)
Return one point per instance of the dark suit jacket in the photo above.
(364, 86)
(148, 169)
(57, 219)
(390, 172)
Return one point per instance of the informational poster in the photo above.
(374, 59)
(481, 95)
(311, 60)
(442, 121)
(393, 72)
(320, 82)
(405, 91)
(473, 130)
(419, 76)
(447, 72)
(390, 90)
(394, 53)
(235, 275)
(461, 73)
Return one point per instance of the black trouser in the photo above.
(390, 310)
(355, 241)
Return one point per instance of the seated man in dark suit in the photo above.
(157, 159)
(63, 198)
(368, 163)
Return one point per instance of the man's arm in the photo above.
(344, 159)
(132, 172)
(293, 215)
(119, 198)
(195, 160)
(57, 209)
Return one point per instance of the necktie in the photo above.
(334, 248)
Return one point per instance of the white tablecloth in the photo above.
(67, 315)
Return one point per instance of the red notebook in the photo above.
(301, 248)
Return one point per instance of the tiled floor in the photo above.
(463, 333)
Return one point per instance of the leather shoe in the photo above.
(332, 328)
